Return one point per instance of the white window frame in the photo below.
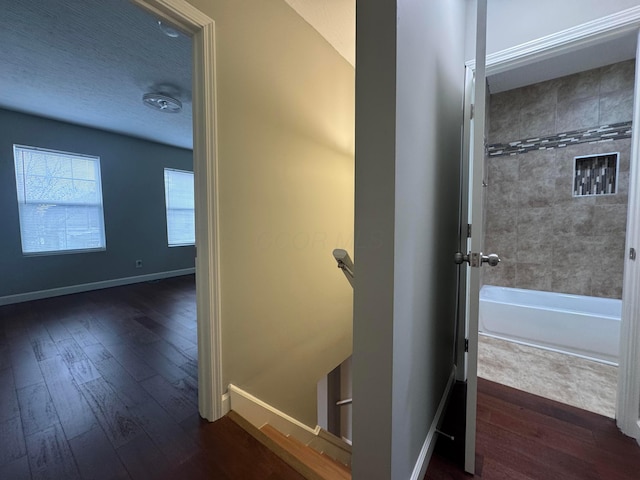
(168, 208)
(22, 200)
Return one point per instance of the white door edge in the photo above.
(476, 176)
(463, 245)
(628, 403)
(205, 163)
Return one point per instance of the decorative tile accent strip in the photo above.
(604, 133)
(595, 175)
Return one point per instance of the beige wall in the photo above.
(286, 172)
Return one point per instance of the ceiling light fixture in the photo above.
(167, 30)
(162, 102)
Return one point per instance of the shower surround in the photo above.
(549, 239)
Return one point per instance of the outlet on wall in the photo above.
(138, 263)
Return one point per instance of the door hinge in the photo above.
(468, 230)
(466, 344)
(472, 110)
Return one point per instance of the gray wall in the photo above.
(547, 238)
(409, 89)
(133, 199)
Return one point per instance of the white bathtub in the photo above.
(575, 324)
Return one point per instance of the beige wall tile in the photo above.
(531, 213)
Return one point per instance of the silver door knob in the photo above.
(492, 259)
(476, 259)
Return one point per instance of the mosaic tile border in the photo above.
(604, 133)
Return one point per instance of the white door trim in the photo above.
(628, 405)
(565, 41)
(205, 164)
(572, 39)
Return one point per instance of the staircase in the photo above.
(310, 463)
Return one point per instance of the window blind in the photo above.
(179, 197)
(59, 201)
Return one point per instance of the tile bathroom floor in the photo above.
(571, 380)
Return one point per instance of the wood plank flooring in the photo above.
(524, 436)
(103, 385)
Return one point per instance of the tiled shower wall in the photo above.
(547, 238)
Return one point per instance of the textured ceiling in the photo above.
(335, 20)
(89, 62)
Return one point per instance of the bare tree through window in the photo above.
(59, 199)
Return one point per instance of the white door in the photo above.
(628, 401)
(475, 259)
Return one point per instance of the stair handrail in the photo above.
(345, 264)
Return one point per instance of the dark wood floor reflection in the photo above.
(523, 436)
(103, 385)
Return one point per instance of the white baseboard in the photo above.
(420, 468)
(259, 413)
(85, 287)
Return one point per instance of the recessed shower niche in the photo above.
(596, 174)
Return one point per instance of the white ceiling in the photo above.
(89, 62)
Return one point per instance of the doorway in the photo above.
(526, 60)
(561, 236)
(201, 28)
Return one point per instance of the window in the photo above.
(59, 201)
(178, 193)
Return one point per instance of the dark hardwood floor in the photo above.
(523, 436)
(103, 385)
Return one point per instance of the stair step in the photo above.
(310, 463)
(322, 465)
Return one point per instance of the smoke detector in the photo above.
(162, 102)
(167, 30)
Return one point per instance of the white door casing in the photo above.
(201, 28)
(460, 358)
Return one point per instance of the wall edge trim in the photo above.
(420, 468)
(86, 287)
(186, 16)
(258, 413)
(564, 41)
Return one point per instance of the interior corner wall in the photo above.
(513, 22)
(409, 103)
(132, 172)
(285, 111)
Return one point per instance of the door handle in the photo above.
(476, 259)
